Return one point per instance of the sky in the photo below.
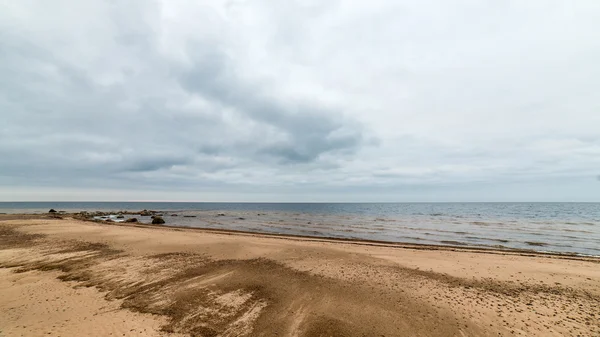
(233, 100)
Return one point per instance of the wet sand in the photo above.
(64, 277)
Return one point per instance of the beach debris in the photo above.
(52, 210)
(158, 220)
(132, 220)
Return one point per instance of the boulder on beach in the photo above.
(52, 210)
(120, 216)
(158, 220)
(145, 213)
(132, 220)
(173, 214)
(220, 214)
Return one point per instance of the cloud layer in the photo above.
(299, 101)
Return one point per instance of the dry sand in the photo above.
(64, 277)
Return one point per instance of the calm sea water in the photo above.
(554, 227)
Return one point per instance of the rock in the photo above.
(132, 220)
(52, 210)
(240, 218)
(158, 220)
(220, 214)
(173, 214)
(145, 213)
(108, 220)
(189, 216)
(120, 216)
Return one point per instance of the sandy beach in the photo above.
(66, 277)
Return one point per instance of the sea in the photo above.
(572, 228)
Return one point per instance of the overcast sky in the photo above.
(261, 100)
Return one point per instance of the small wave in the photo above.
(536, 243)
(456, 243)
(487, 239)
(575, 230)
(479, 223)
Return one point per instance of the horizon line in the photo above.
(286, 202)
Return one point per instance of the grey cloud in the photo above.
(309, 130)
(284, 102)
(156, 163)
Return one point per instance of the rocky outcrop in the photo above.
(146, 213)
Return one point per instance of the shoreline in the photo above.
(199, 282)
(379, 243)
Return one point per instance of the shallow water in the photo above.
(553, 227)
